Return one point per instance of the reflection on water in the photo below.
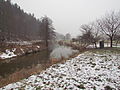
(22, 67)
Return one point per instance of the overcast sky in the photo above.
(68, 15)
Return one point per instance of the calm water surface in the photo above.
(14, 69)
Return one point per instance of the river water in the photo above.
(14, 69)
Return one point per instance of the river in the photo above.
(14, 69)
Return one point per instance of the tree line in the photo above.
(16, 24)
(105, 28)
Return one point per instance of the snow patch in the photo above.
(38, 46)
(8, 54)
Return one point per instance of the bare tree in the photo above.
(110, 25)
(90, 34)
(96, 33)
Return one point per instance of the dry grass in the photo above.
(106, 50)
(18, 75)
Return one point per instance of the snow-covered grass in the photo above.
(18, 50)
(105, 45)
(8, 54)
(20, 42)
(24, 42)
(92, 70)
(62, 52)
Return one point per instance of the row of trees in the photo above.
(107, 26)
(15, 24)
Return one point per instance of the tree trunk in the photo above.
(111, 42)
(47, 34)
(46, 43)
(95, 45)
(116, 43)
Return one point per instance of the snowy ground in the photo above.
(13, 52)
(88, 71)
(8, 54)
(105, 45)
(24, 42)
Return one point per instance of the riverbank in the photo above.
(91, 70)
(10, 50)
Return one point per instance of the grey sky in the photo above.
(68, 15)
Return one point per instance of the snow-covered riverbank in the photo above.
(89, 71)
(8, 54)
(14, 49)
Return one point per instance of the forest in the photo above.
(17, 25)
